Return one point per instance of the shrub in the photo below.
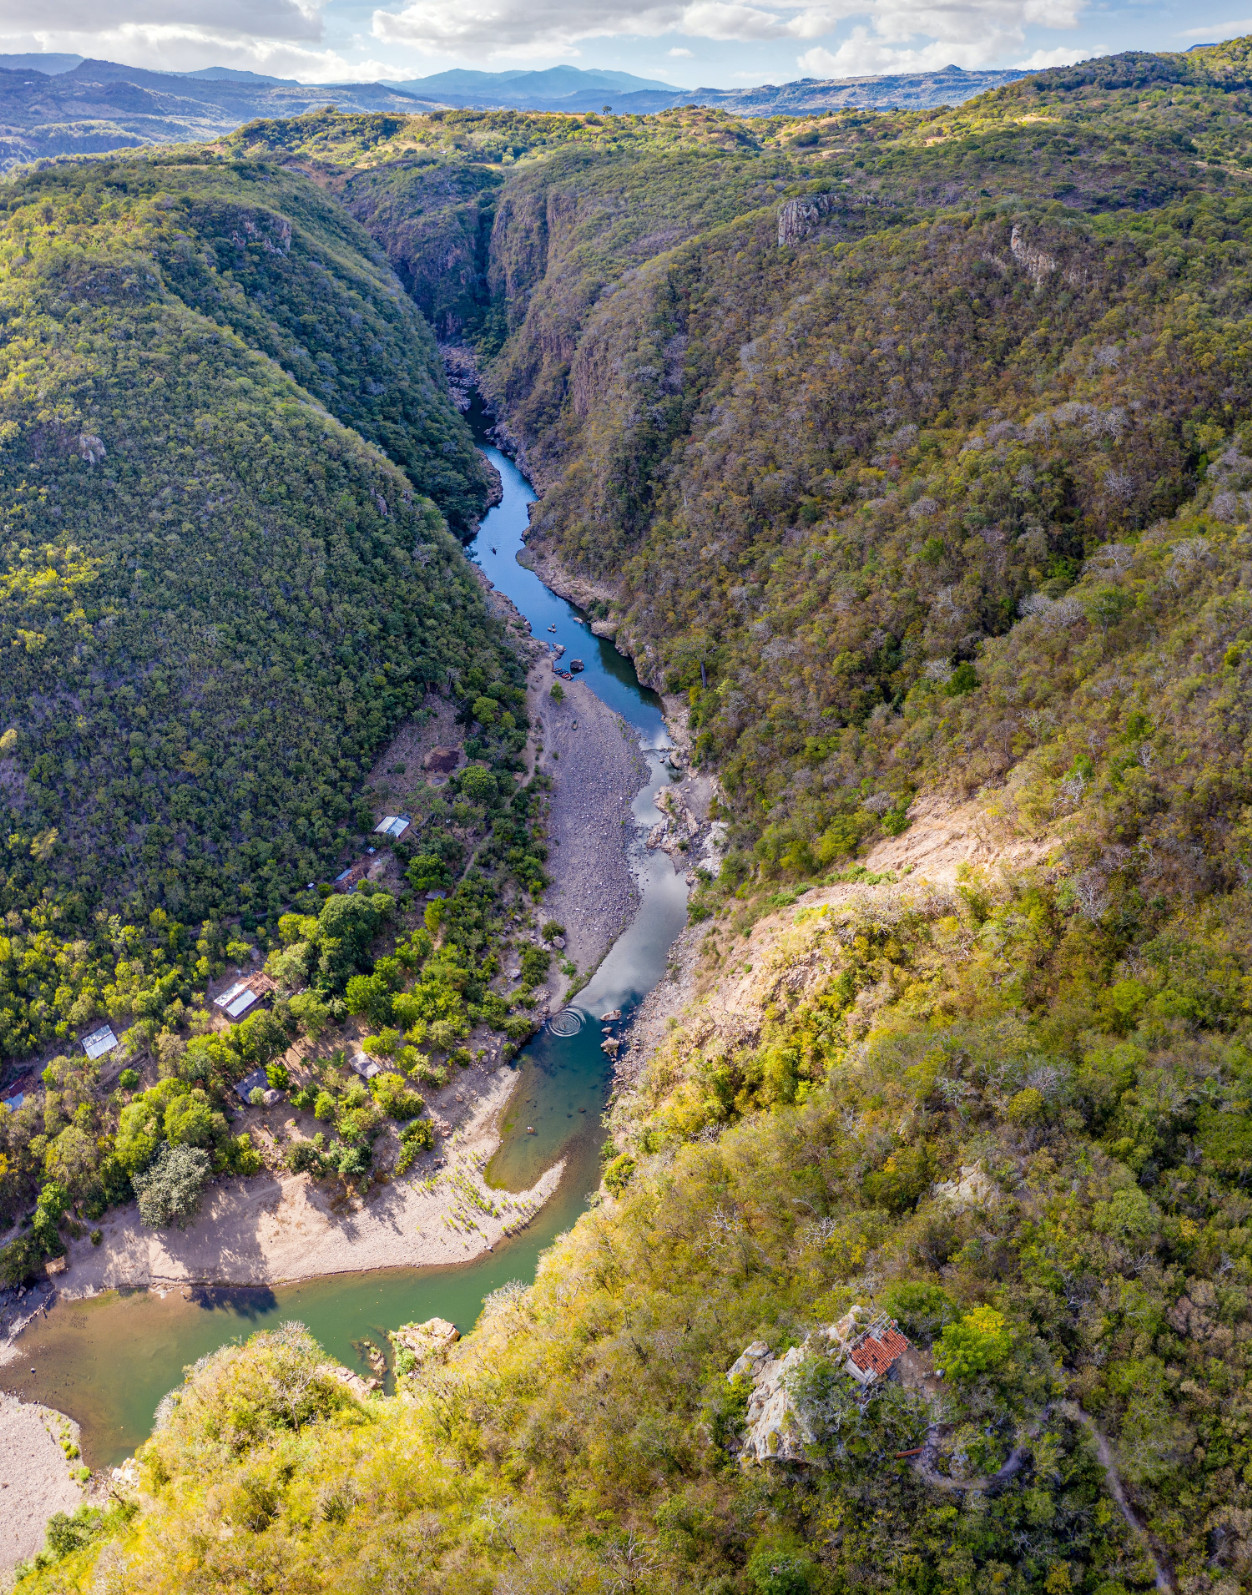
(920, 1310)
(777, 1571)
(618, 1174)
(394, 1097)
(536, 961)
(305, 1158)
(21, 1260)
(419, 1136)
(128, 1079)
(478, 785)
(278, 1076)
(169, 1192)
(978, 1344)
(1027, 1107)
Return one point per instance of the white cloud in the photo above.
(88, 19)
(176, 49)
(1218, 31)
(925, 35)
(888, 35)
(1043, 60)
(509, 25)
(687, 55)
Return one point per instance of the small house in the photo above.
(258, 1080)
(393, 826)
(243, 995)
(99, 1042)
(14, 1102)
(874, 1353)
(365, 1066)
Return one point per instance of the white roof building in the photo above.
(99, 1042)
(393, 825)
(236, 1002)
(365, 1066)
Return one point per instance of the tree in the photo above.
(261, 1037)
(169, 1192)
(72, 1159)
(978, 1344)
(139, 1131)
(191, 1121)
(311, 1014)
(370, 997)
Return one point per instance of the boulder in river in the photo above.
(425, 1342)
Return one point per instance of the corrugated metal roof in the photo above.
(99, 1042)
(393, 825)
(365, 1066)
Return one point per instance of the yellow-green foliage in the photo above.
(1103, 1266)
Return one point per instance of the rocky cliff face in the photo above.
(435, 224)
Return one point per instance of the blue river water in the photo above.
(108, 1361)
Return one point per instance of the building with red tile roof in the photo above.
(875, 1353)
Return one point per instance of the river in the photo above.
(108, 1361)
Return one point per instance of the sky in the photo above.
(688, 43)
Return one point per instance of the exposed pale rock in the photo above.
(974, 1188)
(359, 1387)
(428, 1342)
(867, 1347)
(749, 1360)
(798, 218)
(776, 1431)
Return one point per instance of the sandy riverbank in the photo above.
(593, 759)
(271, 1228)
(35, 1478)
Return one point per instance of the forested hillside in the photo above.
(218, 598)
(916, 452)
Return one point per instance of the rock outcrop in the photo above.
(776, 1429)
(418, 1344)
(800, 217)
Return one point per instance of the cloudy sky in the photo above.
(688, 43)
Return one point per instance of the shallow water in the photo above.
(107, 1362)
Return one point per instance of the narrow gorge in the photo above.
(863, 926)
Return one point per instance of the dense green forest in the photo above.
(218, 599)
(916, 452)
(230, 464)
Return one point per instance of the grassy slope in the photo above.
(1081, 1032)
(218, 598)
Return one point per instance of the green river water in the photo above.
(108, 1361)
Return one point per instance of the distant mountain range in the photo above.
(56, 105)
(566, 88)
